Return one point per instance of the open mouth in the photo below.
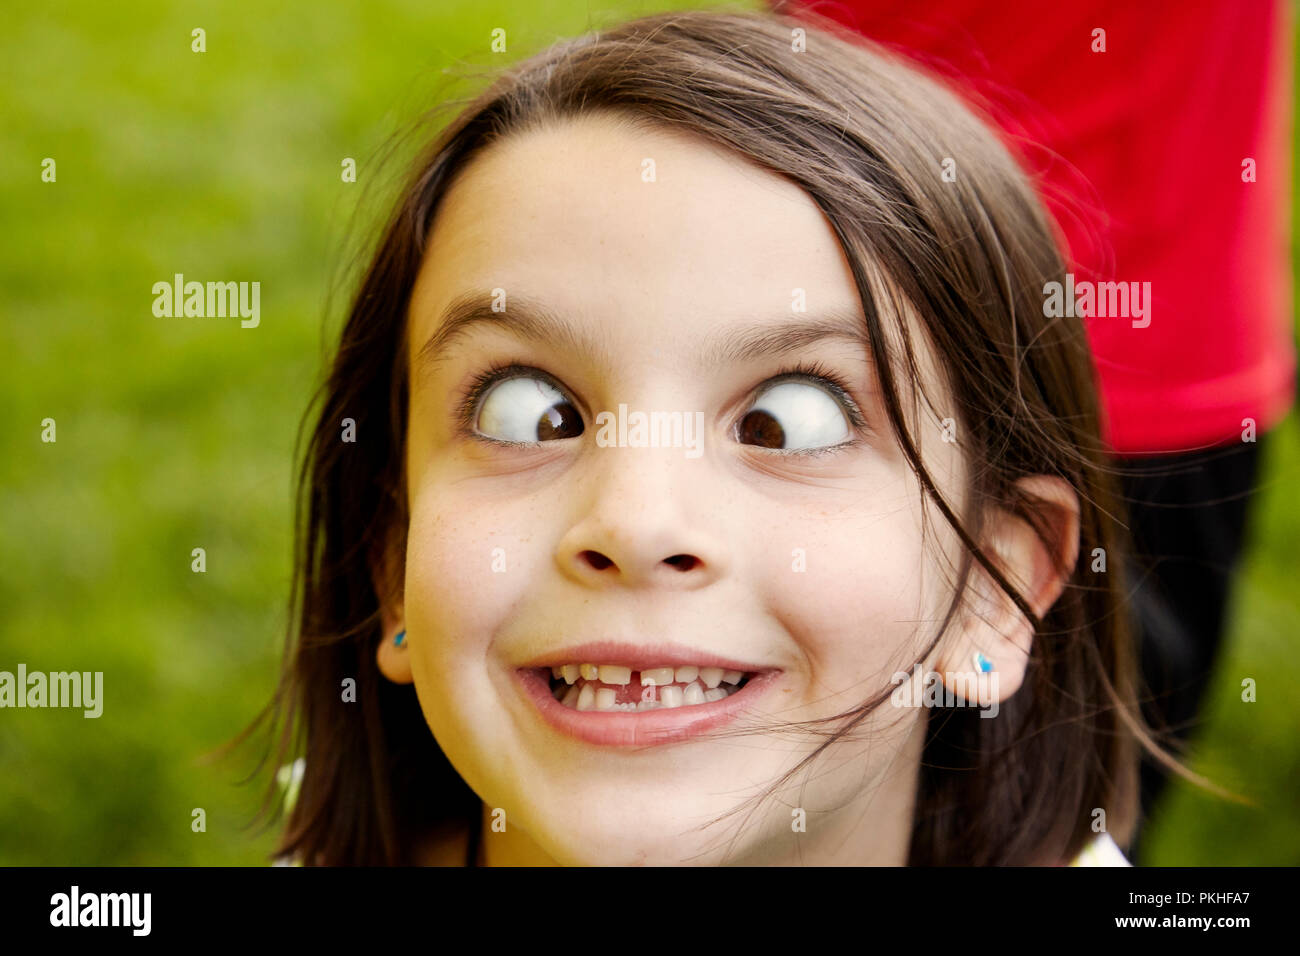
(615, 687)
(654, 697)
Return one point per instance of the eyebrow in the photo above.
(533, 321)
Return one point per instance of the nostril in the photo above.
(597, 560)
(682, 562)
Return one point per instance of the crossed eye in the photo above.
(527, 409)
(788, 415)
(793, 415)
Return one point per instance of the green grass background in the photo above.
(179, 434)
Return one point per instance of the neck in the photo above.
(508, 847)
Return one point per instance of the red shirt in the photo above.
(1138, 152)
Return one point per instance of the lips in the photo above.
(618, 695)
(641, 657)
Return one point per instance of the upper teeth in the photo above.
(654, 676)
(661, 686)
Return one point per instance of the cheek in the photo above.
(864, 599)
(464, 571)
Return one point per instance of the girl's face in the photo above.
(647, 272)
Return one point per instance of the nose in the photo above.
(644, 520)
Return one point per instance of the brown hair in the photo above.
(864, 135)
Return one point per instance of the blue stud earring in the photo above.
(983, 664)
(401, 636)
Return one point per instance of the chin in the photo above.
(656, 829)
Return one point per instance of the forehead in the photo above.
(653, 239)
(602, 217)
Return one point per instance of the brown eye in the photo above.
(760, 428)
(527, 410)
(794, 415)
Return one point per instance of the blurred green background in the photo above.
(174, 435)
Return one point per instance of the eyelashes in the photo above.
(836, 393)
(815, 373)
(472, 396)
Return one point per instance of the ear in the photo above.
(387, 572)
(992, 624)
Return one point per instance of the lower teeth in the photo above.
(591, 695)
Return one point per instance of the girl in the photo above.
(715, 489)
